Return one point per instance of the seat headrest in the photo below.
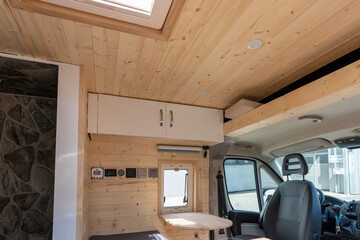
(294, 164)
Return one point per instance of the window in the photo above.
(176, 187)
(335, 171)
(241, 184)
(148, 13)
(268, 185)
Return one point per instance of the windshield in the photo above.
(335, 171)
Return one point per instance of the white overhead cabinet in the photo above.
(132, 117)
(135, 117)
(195, 123)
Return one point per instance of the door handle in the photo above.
(171, 118)
(161, 118)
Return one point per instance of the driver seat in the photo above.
(294, 211)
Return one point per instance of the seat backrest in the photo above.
(294, 211)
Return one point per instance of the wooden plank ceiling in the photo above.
(206, 51)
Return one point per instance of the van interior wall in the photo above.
(123, 205)
(83, 185)
(217, 155)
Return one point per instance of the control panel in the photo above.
(100, 173)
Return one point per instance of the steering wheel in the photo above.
(320, 196)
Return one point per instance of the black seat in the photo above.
(294, 211)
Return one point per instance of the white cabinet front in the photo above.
(194, 123)
(133, 117)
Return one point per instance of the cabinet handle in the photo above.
(171, 118)
(161, 118)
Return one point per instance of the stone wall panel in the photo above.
(27, 166)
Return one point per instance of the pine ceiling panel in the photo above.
(207, 49)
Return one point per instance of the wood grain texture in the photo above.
(196, 221)
(207, 49)
(82, 218)
(102, 21)
(335, 87)
(172, 233)
(119, 205)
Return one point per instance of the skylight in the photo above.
(148, 13)
(139, 6)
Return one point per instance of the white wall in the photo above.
(65, 199)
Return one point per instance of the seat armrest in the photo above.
(252, 229)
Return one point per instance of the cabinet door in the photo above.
(194, 123)
(126, 116)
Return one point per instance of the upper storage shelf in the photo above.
(135, 117)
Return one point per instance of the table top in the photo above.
(196, 221)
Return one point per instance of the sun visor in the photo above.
(305, 146)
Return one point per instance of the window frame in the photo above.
(256, 180)
(258, 164)
(46, 8)
(190, 194)
(273, 175)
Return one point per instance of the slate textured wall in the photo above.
(27, 162)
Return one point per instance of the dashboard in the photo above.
(349, 221)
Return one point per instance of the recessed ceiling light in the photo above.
(314, 119)
(254, 44)
(203, 92)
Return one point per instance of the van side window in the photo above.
(176, 187)
(268, 184)
(241, 184)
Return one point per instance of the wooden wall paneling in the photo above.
(58, 45)
(29, 45)
(194, 16)
(10, 30)
(32, 39)
(232, 49)
(120, 225)
(105, 43)
(332, 47)
(347, 45)
(114, 199)
(111, 198)
(86, 204)
(202, 201)
(104, 22)
(82, 218)
(280, 37)
(181, 46)
(129, 50)
(339, 85)
(38, 23)
(85, 47)
(72, 39)
(148, 61)
(207, 49)
(210, 37)
(299, 42)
